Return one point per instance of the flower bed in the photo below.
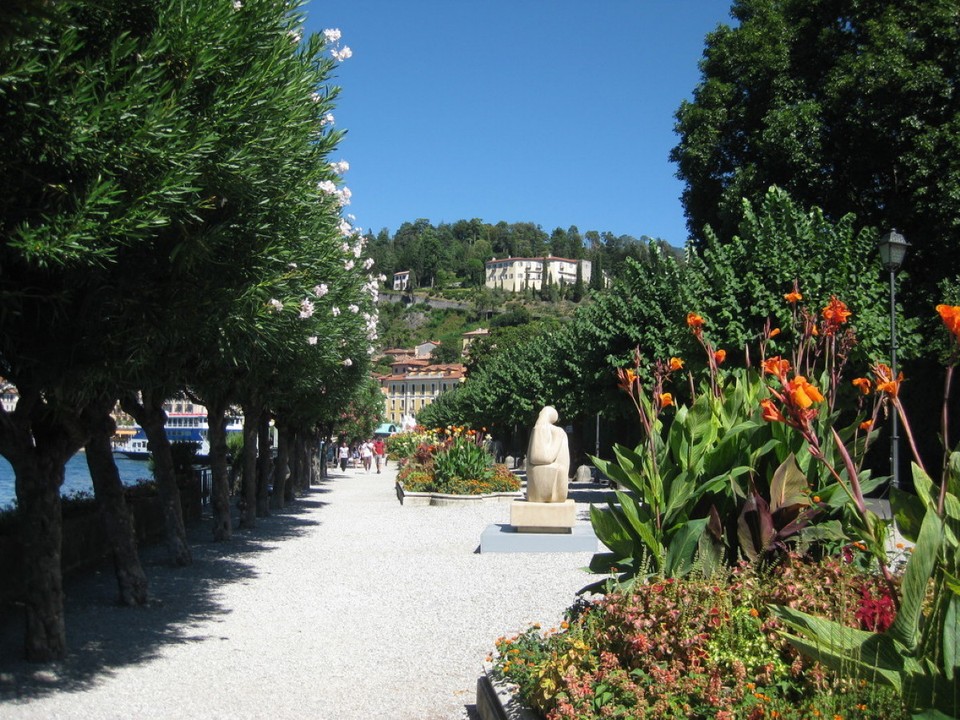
(698, 648)
(450, 463)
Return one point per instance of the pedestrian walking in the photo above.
(366, 455)
(379, 453)
(343, 454)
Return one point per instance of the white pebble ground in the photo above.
(347, 606)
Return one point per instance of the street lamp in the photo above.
(893, 248)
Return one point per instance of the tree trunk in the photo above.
(296, 467)
(38, 447)
(112, 504)
(152, 418)
(38, 482)
(220, 489)
(251, 422)
(264, 465)
(281, 471)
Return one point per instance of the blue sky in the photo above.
(554, 112)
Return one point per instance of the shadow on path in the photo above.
(101, 635)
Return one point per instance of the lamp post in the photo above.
(893, 248)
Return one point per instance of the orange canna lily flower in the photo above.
(695, 323)
(776, 366)
(774, 333)
(626, 378)
(793, 297)
(950, 314)
(834, 314)
(802, 393)
(885, 381)
(862, 383)
(719, 356)
(770, 412)
(676, 363)
(666, 399)
(814, 331)
(866, 424)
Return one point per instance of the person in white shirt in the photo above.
(366, 454)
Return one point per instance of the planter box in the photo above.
(496, 701)
(419, 499)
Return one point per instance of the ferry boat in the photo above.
(183, 426)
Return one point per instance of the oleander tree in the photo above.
(150, 182)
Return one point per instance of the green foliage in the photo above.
(843, 106)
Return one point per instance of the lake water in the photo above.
(77, 477)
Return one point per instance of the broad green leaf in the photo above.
(906, 626)
(610, 532)
(683, 548)
(788, 486)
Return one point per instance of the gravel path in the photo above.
(347, 605)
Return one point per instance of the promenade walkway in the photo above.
(347, 605)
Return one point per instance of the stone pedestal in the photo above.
(535, 517)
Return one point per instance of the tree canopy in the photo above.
(850, 106)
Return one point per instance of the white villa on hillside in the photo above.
(519, 273)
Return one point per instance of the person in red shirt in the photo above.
(379, 453)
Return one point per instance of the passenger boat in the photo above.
(181, 427)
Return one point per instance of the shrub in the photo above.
(696, 648)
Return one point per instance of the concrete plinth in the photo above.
(504, 538)
(536, 517)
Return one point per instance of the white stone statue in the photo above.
(548, 460)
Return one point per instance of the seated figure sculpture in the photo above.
(548, 460)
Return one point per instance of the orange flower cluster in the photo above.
(886, 383)
(695, 323)
(862, 383)
(793, 297)
(950, 314)
(834, 314)
(796, 397)
(676, 363)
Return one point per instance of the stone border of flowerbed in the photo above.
(421, 499)
(496, 701)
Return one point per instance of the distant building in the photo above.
(426, 348)
(401, 281)
(469, 337)
(411, 386)
(519, 274)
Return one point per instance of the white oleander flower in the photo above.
(306, 309)
(275, 305)
(335, 311)
(312, 340)
(320, 290)
(331, 35)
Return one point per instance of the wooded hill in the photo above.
(453, 254)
